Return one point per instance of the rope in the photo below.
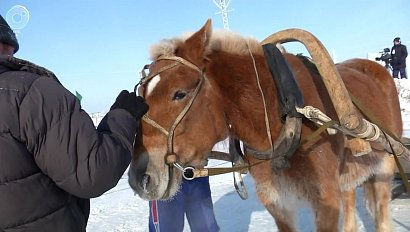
(263, 98)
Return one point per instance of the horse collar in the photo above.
(290, 97)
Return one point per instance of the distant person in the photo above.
(52, 158)
(193, 201)
(398, 61)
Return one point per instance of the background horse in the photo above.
(204, 88)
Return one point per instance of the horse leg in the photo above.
(285, 219)
(377, 192)
(349, 211)
(268, 195)
(378, 196)
(327, 210)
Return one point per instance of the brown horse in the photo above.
(204, 88)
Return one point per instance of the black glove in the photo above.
(131, 103)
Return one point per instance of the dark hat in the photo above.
(7, 35)
(397, 39)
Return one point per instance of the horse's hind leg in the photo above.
(378, 196)
(377, 192)
(285, 219)
(349, 211)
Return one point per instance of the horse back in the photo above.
(366, 80)
(374, 87)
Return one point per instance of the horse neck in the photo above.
(244, 108)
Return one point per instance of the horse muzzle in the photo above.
(151, 182)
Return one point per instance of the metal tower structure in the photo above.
(223, 6)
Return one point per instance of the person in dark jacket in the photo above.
(52, 158)
(398, 55)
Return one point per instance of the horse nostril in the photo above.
(145, 181)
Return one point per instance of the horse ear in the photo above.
(195, 45)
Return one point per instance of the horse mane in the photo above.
(221, 40)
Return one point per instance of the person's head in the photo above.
(397, 41)
(8, 40)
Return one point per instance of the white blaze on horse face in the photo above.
(151, 85)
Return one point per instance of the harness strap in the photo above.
(373, 119)
(289, 94)
(154, 124)
(317, 132)
(180, 60)
(145, 79)
(403, 176)
(183, 113)
(216, 171)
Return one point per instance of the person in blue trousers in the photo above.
(193, 200)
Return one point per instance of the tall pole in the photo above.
(223, 6)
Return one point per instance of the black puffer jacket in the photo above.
(52, 159)
(398, 55)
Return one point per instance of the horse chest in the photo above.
(284, 194)
(290, 200)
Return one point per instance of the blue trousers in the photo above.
(403, 74)
(194, 200)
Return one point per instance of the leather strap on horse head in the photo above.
(171, 157)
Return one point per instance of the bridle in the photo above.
(171, 157)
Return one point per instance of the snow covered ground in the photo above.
(403, 87)
(119, 210)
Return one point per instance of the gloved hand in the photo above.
(131, 103)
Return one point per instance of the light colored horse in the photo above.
(203, 88)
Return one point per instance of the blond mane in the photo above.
(221, 40)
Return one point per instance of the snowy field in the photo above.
(119, 210)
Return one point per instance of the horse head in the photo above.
(182, 103)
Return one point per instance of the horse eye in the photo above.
(178, 95)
